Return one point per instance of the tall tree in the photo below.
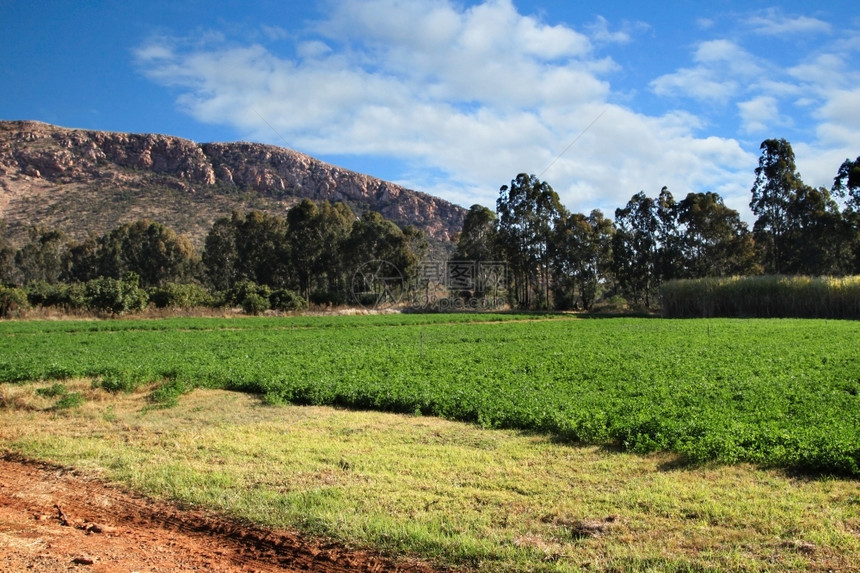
(715, 242)
(847, 182)
(478, 241)
(220, 255)
(41, 258)
(375, 238)
(776, 185)
(846, 185)
(81, 261)
(262, 249)
(635, 249)
(582, 254)
(149, 249)
(336, 222)
(670, 262)
(818, 239)
(304, 235)
(316, 233)
(527, 211)
(7, 258)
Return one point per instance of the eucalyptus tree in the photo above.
(818, 239)
(7, 258)
(220, 254)
(846, 186)
(528, 211)
(478, 241)
(776, 186)
(582, 256)
(262, 249)
(715, 242)
(41, 259)
(152, 251)
(635, 249)
(375, 238)
(316, 233)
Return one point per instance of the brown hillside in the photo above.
(90, 182)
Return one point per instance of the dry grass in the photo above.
(454, 493)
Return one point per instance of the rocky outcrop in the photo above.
(35, 157)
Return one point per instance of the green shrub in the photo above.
(116, 296)
(13, 302)
(68, 296)
(117, 380)
(69, 400)
(283, 299)
(66, 399)
(174, 295)
(242, 289)
(167, 395)
(52, 391)
(42, 293)
(74, 296)
(255, 304)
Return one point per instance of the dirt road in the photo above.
(55, 519)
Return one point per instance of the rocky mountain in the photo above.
(90, 182)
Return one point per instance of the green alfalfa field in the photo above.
(487, 442)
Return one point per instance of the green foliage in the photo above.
(774, 392)
(70, 400)
(375, 238)
(636, 249)
(478, 241)
(287, 300)
(220, 255)
(52, 391)
(40, 259)
(116, 296)
(770, 296)
(175, 295)
(155, 253)
(243, 289)
(13, 302)
(66, 399)
(124, 379)
(528, 210)
(167, 394)
(582, 253)
(255, 304)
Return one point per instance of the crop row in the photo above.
(775, 392)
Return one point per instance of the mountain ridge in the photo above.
(86, 182)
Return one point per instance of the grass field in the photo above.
(783, 393)
(452, 493)
(599, 444)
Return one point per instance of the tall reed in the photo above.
(769, 296)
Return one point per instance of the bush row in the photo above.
(121, 296)
(771, 296)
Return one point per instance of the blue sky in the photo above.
(455, 98)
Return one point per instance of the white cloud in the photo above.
(722, 69)
(599, 32)
(759, 114)
(274, 32)
(466, 98)
(154, 51)
(773, 22)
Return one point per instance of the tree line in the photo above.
(256, 260)
(562, 260)
(554, 258)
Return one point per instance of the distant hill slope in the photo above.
(84, 182)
